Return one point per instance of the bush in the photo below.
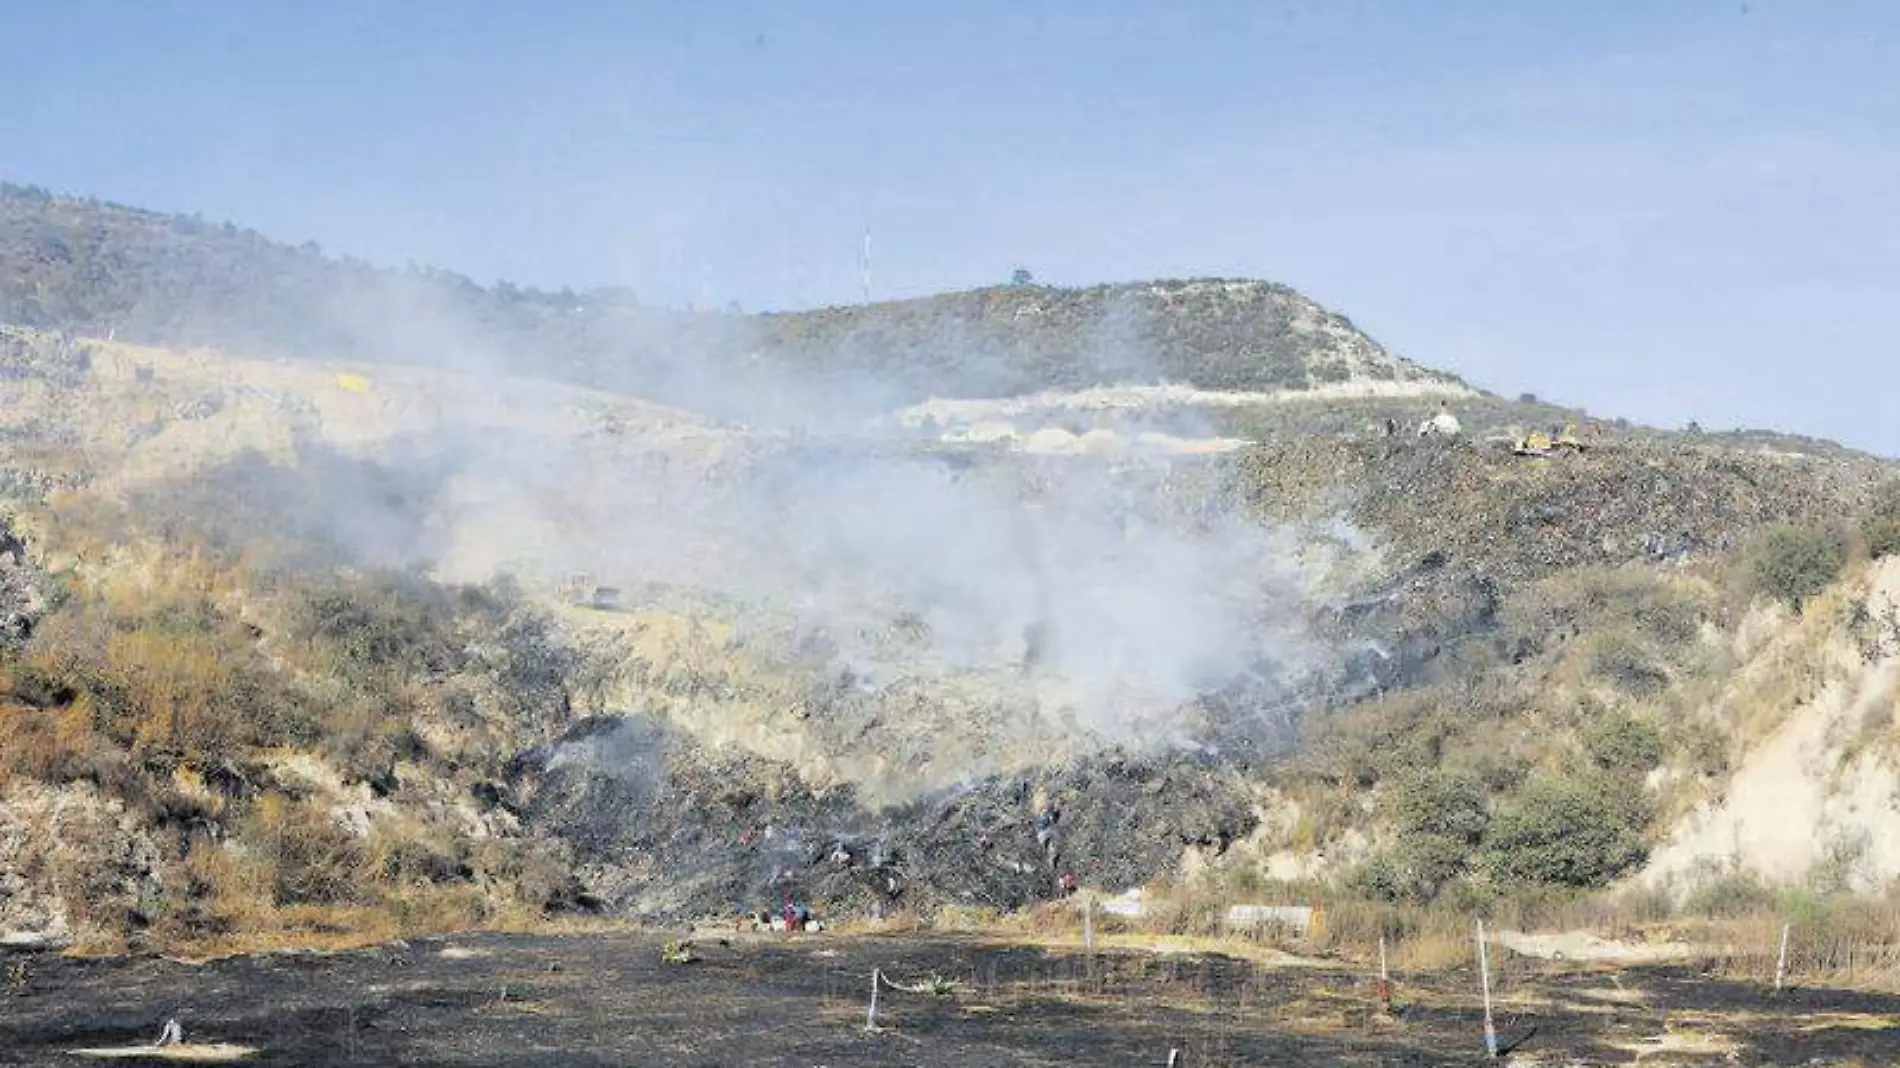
(1622, 743)
(1412, 869)
(1577, 831)
(1702, 745)
(1632, 599)
(313, 861)
(373, 630)
(1881, 528)
(169, 682)
(212, 892)
(1729, 895)
(1443, 803)
(1439, 816)
(53, 745)
(1625, 662)
(1793, 563)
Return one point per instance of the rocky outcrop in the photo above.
(22, 589)
(1811, 796)
(72, 863)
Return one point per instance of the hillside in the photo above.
(105, 270)
(313, 625)
(1282, 365)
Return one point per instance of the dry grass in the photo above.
(46, 744)
(1841, 942)
(1837, 941)
(162, 682)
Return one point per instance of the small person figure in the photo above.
(1046, 828)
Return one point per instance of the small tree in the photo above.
(1578, 831)
(1440, 816)
(1623, 743)
(1881, 529)
(1793, 563)
(1021, 277)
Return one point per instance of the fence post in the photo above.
(1385, 981)
(1484, 984)
(870, 1015)
(1781, 961)
(1088, 923)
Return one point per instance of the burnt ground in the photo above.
(601, 999)
(666, 830)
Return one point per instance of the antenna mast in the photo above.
(864, 264)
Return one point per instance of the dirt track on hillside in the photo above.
(610, 999)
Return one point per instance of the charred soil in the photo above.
(614, 999)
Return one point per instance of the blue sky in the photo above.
(1669, 211)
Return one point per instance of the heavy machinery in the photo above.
(1539, 443)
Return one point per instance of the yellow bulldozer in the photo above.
(1539, 443)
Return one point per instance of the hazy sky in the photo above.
(1669, 211)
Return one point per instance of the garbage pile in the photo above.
(1460, 524)
(665, 829)
(1487, 511)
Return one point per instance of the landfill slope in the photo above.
(580, 649)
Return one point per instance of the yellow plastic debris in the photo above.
(353, 383)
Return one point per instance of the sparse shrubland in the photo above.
(313, 746)
(186, 688)
(1536, 784)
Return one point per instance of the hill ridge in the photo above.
(90, 267)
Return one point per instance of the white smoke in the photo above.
(1106, 586)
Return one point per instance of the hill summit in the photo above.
(98, 269)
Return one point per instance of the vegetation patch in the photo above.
(1792, 562)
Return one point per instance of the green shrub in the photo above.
(1729, 895)
(1416, 869)
(1444, 802)
(1499, 769)
(1623, 743)
(1793, 563)
(1577, 831)
(1626, 663)
(1881, 528)
(373, 629)
(1438, 819)
(1633, 600)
